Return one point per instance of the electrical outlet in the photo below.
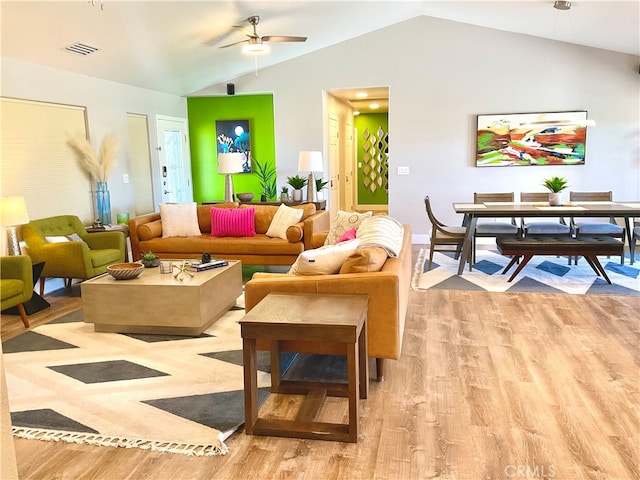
(403, 170)
(125, 178)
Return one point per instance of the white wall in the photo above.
(442, 74)
(107, 106)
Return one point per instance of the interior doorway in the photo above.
(357, 120)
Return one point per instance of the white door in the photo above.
(174, 159)
(334, 167)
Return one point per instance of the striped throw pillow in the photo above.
(233, 222)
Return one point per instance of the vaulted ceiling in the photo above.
(173, 46)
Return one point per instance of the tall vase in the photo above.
(103, 203)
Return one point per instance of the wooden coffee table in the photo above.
(319, 320)
(159, 303)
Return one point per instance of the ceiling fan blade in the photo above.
(283, 38)
(234, 43)
(246, 32)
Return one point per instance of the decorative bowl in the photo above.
(244, 197)
(125, 271)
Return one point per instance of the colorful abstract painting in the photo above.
(233, 136)
(556, 138)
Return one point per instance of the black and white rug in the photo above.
(176, 394)
(543, 274)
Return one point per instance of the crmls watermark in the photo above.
(530, 471)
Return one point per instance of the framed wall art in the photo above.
(233, 136)
(516, 139)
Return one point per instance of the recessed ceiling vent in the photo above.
(81, 48)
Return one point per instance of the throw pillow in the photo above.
(57, 239)
(381, 231)
(179, 220)
(233, 222)
(325, 260)
(348, 235)
(364, 260)
(282, 220)
(343, 222)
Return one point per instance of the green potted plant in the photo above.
(297, 183)
(555, 185)
(320, 184)
(284, 194)
(150, 260)
(266, 172)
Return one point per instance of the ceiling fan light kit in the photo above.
(255, 48)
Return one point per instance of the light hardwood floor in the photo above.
(489, 386)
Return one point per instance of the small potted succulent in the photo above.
(149, 259)
(284, 194)
(555, 185)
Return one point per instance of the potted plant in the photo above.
(266, 172)
(555, 185)
(297, 183)
(150, 260)
(284, 194)
(320, 184)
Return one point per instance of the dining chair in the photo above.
(593, 228)
(559, 228)
(634, 239)
(444, 236)
(494, 228)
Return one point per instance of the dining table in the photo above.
(474, 211)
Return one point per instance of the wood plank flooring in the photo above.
(489, 386)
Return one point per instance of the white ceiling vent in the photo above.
(81, 48)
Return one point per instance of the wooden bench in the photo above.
(587, 247)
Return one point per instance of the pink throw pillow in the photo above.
(233, 222)
(348, 235)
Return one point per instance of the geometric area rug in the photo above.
(166, 393)
(543, 274)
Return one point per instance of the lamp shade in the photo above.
(13, 211)
(230, 162)
(310, 161)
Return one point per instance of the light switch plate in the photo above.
(125, 178)
(403, 170)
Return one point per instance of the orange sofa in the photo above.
(146, 235)
(388, 291)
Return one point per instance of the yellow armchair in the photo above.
(16, 283)
(68, 250)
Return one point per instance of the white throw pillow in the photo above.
(179, 220)
(342, 223)
(57, 239)
(325, 260)
(282, 220)
(381, 231)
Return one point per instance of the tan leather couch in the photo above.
(388, 291)
(146, 235)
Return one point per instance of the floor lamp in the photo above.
(229, 163)
(13, 212)
(310, 161)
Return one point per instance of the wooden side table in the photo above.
(336, 319)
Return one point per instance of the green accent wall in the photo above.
(371, 122)
(208, 185)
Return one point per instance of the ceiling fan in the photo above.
(255, 43)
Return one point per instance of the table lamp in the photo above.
(13, 212)
(229, 163)
(310, 161)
